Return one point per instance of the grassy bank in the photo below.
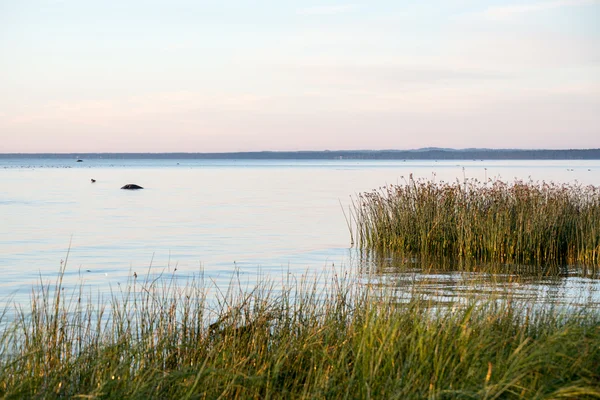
(160, 339)
(520, 223)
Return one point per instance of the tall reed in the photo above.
(493, 222)
(296, 339)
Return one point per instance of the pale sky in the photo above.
(242, 75)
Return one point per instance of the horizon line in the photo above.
(310, 151)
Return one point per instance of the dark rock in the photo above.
(79, 160)
(93, 180)
(131, 186)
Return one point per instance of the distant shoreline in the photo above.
(419, 154)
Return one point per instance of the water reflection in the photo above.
(452, 281)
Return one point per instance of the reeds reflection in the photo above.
(447, 281)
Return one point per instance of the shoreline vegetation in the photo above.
(429, 153)
(160, 338)
(344, 334)
(484, 223)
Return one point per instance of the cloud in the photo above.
(329, 10)
(165, 105)
(505, 12)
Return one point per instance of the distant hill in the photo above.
(430, 153)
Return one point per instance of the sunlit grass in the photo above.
(494, 222)
(293, 339)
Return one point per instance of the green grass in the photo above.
(495, 222)
(295, 339)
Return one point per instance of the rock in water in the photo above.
(132, 186)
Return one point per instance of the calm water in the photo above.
(258, 217)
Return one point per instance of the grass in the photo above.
(293, 339)
(522, 223)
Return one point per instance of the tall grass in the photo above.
(494, 222)
(296, 339)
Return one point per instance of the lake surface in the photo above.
(258, 217)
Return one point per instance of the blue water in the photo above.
(257, 217)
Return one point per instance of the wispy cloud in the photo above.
(505, 12)
(329, 10)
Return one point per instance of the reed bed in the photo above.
(293, 339)
(524, 223)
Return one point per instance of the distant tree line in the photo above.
(420, 154)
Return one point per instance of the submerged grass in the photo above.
(295, 339)
(495, 222)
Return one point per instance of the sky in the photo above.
(250, 75)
